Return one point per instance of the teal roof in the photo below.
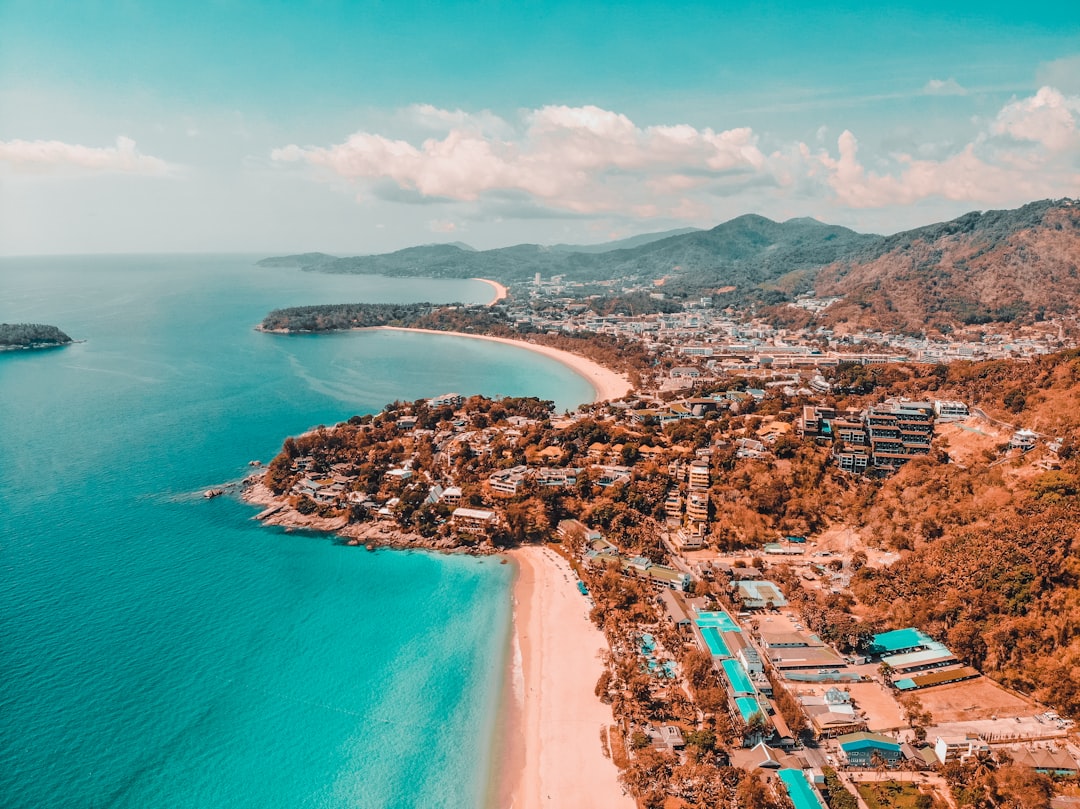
(721, 620)
(799, 790)
(899, 639)
(737, 676)
(717, 647)
(748, 706)
(867, 741)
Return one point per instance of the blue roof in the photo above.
(748, 706)
(737, 676)
(868, 741)
(799, 790)
(719, 619)
(717, 647)
(900, 639)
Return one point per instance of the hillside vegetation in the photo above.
(998, 266)
(1005, 267)
(31, 335)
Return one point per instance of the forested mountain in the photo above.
(743, 253)
(1014, 266)
(997, 266)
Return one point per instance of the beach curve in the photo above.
(606, 383)
(500, 290)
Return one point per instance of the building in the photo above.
(697, 506)
(697, 475)
(473, 520)
(509, 481)
(1024, 440)
(898, 432)
(1053, 762)
(946, 410)
(759, 594)
(799, 790)
(959, 748)
(447, 400)
(867, 749)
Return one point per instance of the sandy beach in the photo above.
(500, 290)
(553, 754)
(606, 383)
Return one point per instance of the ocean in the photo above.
(162, 650)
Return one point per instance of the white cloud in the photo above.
(944, 87)
(1048, 117)
(999, 166)
(54, 155)
(591, 162)
(580, 159)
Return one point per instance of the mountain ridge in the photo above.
(996, 266)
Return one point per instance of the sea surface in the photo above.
(162, 650)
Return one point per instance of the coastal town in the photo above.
(705, 520)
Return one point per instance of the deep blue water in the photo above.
(161, 650)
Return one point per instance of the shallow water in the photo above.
(158, 649)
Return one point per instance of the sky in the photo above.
(363, 127)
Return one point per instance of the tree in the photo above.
(885, 671)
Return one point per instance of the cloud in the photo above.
(1048, 117)
(1028, 152)
(946, 87)
(588, 162)
(53, 155)
(580, 159)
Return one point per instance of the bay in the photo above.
(158, 649)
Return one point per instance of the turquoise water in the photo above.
(161, 650)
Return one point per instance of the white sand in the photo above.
(500, 290)
(606, 383)
(553, 745)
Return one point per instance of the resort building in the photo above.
(898, 432)
(946, 410)
(473, 520)
(697, 506)
(447, 400)
(866, 749)
(959, 748)
(697, 475)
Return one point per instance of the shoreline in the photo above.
(606, 384)
(500, 290)
(552, 752)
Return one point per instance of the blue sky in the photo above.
(368, 126)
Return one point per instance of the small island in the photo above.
(25, 336)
